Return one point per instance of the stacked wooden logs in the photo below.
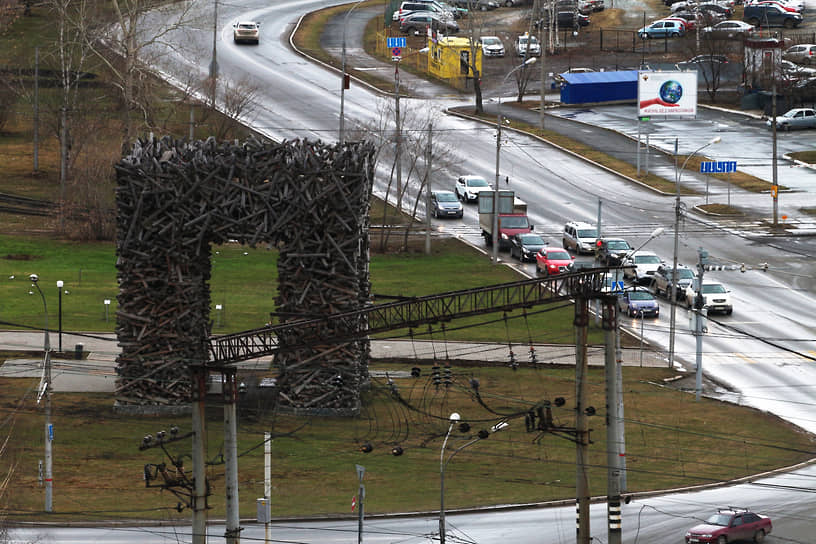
(176, 198)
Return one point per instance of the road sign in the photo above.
(718, 167)
(396, 52)
(397, 42)
(617, 287)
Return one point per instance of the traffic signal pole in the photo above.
(581, 323)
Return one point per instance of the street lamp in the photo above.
(345, 78)
(677, 174)
(531, 60)
(45, 389)
(398, 136)
(59, 313)
(454, 418)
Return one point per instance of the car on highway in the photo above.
(492, 46)
(795, 119)
(730, 525)
(728, 30)
(246, 32)
(641, 266)
(579, 237)
(552, 261)
(611, 251)
(521, 46)
(716, 298)
(803, 53)
(662, 29)
(418, 22)
(638, 303)
(662, 280)
(446, 204)
(525, 245)
(468, 187)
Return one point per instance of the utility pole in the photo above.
(613, 419)
(699, 321)
(428, 158)
(673, 318)
(214, 61)
(267, 478)
(361, 502)
(199, 498)
(230, 397)
(774, 179)
(36, 109)
(581, 421)
(398, 136)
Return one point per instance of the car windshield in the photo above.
(558, 255)
(647, 259)
(490, 41)
(617, 244)
(684, 273)
(446, 197)
(719, 519)
(531, 239)
(515, 222)
(523, 41)
(640, 295)
(790, 114)
(709, 288)
(476, 182)
(587, 233)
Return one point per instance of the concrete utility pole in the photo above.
(428, 158)
(230, 397)
(360, 503)
(267, 478)
(613, 419)
(36, 109)
(45, 391)
(699, 321)
(774, 179)
(199, 498)
(581, 323)
(398, 136)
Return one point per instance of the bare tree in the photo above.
(474, 29)
(238, 102)
(710, 62)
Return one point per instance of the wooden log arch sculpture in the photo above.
(177, 198)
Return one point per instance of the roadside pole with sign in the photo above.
(718, 167)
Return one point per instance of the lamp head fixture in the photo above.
(34, 278)
(454, 417)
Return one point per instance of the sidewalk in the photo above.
(97, 372)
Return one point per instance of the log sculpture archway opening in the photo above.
(175, 199)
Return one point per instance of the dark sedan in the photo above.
(525, 245)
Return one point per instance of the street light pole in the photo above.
(344, 79)
(677, 173)
(454, 418)
(495, 239)
(59, 290)
(398, 136)
(45, 391)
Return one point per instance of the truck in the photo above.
(512, 217)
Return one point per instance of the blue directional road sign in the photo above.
(718, 167)
(617, 287)
(399, 41)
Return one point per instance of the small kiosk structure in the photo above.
(449, 59)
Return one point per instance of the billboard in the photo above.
(671, 94)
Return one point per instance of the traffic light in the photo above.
(346, 81)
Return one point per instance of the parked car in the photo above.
(407, 8)
(525, 245)
(611, 251)
(246, 32)
(684, 25)
(716, 298)
(661, 29)
(782, 5)
(725, 11)
(765, 15)
(662, 280)
(705, 60)
(792, 73)
(643, 266)
(579, 237)
(638, 303)
(551, 261)
(467, 188)
(481, 5)
(731, 525)
(566, 19)
(492, 46)
(726, 30)
(803, 53)
(446, 204)
(794, 119)
(418, 22)
(521, 46)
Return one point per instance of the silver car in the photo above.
(795, 118)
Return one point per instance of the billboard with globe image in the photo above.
(669, 94)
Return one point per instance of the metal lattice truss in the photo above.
(175, 199)
(589, 283)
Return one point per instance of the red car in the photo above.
(730, 525)
(551, 261)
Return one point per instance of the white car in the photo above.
(716, 298)
(492, 46)
(579, 237)
(246, 32)
(468, 188)
(521, 46)
(795, 118)
(641, 266)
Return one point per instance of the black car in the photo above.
(525, 245)
(611, 251)
(566, 19)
